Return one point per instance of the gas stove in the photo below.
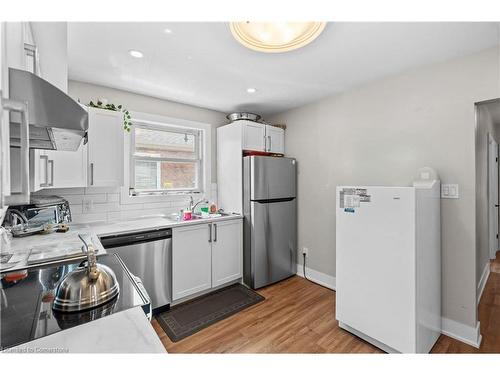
(26, 301)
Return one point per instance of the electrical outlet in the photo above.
(88, 205)
(305, 251)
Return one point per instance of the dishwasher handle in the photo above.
(127, 239)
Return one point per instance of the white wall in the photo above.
(147, 104)
(379, 134)
(106, 204)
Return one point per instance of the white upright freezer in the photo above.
(388, 270)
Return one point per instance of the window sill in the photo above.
(126, 198)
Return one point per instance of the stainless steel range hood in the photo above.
(57, 122)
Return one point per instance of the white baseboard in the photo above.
(451, 328)
(461, 332)
(318, 277)
(482, 281)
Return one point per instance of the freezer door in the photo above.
(375, 263)
(272, 177)
(273, 242)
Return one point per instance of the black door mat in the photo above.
(190, 317)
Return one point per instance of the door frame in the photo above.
(493, 201)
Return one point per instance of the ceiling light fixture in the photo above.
(251, 90)
(136, 54)
(167, 31)
(273, 37)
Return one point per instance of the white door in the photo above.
(275, 139)
(254, 136)
(105, 148)
(191, 260)
(227, 252)
(39, 170)
(67, 169)
(493, 195)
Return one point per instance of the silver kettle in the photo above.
(87, 286)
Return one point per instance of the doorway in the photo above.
(493, 200)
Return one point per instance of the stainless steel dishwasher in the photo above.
(148, 255)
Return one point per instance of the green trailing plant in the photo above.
(127, 118)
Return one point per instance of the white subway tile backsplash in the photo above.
(96, 198)
(101, 190)
(76, 208)
(74, 199)
(157, 205)
(114, 216)
(88, 218)
(61, 192)
(105, 207)
(113, 197)
(128, 207)
(104, 204)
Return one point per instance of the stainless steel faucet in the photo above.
(192, 205)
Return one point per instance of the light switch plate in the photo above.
(449, 191)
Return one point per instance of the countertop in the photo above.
(124, 332)
(41, 247)
(128, 331)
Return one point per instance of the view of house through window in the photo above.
(165, 158)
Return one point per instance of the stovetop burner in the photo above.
(26, 310)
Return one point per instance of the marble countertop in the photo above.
(124, 332)
(128, 331)
(42, 247)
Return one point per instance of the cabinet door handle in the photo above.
(22, 108)
(209, 232)
(51, 162)
(270, 146)
(46, 180)
(215, 232)
(91, 174)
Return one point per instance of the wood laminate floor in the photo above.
(299, 317)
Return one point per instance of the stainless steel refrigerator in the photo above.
(270, 225)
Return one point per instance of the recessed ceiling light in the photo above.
(136, 54)
(167, 31)
(251, 90)
(275, 37)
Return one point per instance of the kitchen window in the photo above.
(165, 159)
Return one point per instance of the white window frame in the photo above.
(173, 129)
(169, 195)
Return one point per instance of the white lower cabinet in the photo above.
(191, 260)
(205, 256)
(227, 252)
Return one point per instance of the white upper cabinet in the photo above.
(254, 135)
(67, 169)
(51, 42)
(40, 48)
(51, 169)
(105, 148)
(275, 140)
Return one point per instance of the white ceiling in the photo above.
(201, 64)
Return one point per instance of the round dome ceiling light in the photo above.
(136, 54)
(274, 37)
